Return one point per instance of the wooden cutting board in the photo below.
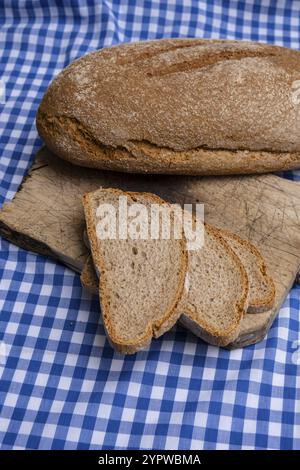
(46, 216)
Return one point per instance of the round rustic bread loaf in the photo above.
(182, 106)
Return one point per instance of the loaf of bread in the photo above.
(182, 106)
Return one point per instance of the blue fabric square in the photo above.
(33, 442)
(113, 426)
(211, 435)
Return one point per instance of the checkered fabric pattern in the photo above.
(61, 385)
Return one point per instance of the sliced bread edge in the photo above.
(261, 302)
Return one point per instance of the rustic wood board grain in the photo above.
(46, 216)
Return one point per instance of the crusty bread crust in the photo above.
(181, 106)
(155, 328)
(88, 277)
(71, 142)
(198, 326)
(257, 305)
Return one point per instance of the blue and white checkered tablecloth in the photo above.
(61, 385)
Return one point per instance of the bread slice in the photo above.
(141, 281)
(216, 291)
(261, 285)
